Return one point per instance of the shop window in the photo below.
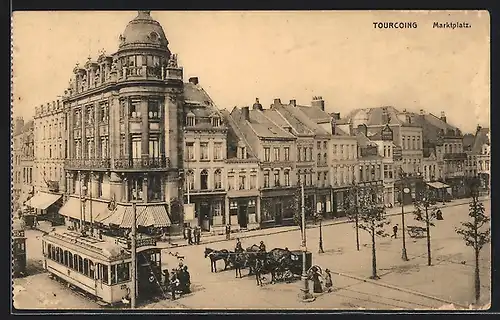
(217, 206)
(153, 109)
(218, 179)
(266, 179)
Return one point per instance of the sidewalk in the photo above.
(206, 239)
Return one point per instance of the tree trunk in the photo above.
(374, 256)
(429, 262)
(477, 280)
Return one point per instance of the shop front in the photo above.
(243, 212)
(278, 207)
(208, 211)
(323, 202)
(458, 187)
(340, 201)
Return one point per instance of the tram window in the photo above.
(53, 252)
(86, 267)
(66, 258)
(49, 251)
(43, 247)
(80, 264)
(58, 255)
(123, 271)
(91, 269)
(70, 260)
(113, 274)
(105, 274)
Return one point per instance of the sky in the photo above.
(239, 56)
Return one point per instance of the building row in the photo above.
(129, 129)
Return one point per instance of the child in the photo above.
(328, 280)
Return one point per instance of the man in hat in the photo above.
(328, 280)
(395, 231)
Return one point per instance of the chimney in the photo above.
(257, 105)
(293, 102)
(193, 80)
(318, 102)
(246, 113)
(277, 101)
(443, 116)
(336, 115)
(422, 112)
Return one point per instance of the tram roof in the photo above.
(87, 245)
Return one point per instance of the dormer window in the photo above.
(242, 153)
(190, 120)
(153, 36)
(216, 122)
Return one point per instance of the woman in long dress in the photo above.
(328, 280)
(316, 281)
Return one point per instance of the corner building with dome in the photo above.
(124, 118)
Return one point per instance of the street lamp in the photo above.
(306, 295)
(404, 191)
(427, 224)
(319, 218)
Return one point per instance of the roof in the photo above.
(468, 141)
(363, 141)
(199, 103)
(236, 133)
(264, 128)
(143, 30)
(481, 139)
(306, 120)
(375, 116)
(315, 113)
(284, 118)
(431, 126)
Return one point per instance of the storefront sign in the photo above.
(189, 211)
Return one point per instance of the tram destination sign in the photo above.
(144, 242)
(18, 233)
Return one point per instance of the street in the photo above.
(403, 285)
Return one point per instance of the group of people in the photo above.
(177, 281)
(317, 278)
(190, 233)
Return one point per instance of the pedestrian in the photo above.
(316, 280)
(165, 278)
(189, 235)
(187, 280)
(262, 247)
(184, 231)
(328, 280)
(395, 231)
(228, 232)
(197, 234)
(238, 247)
(174, 283)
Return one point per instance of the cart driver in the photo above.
(238, 247)
(262, 247)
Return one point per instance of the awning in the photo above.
(71, 208)
(147, 216)
(100, 211)
(116, 217)
(437, 185)
(43, 200)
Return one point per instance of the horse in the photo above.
(216, 255)
(238, 260)
(252, 253)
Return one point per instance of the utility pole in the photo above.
(427, 223)
(404, 190)
(306, 295)
(133, 290)
(320, 236)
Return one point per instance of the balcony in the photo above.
(142, 163)
(147, 72)
(87, 164)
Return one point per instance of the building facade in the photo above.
(124, 116)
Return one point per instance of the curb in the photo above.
(330, 223)
(382, 284)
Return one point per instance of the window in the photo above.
(190, 150)
(418, 143)
(218, 179)
(216, 122)
(310, 154)
(136, 188)
(90, 148)
(385, 151)
(267, 154)
(287, 153)
(123, 146)
(253, 181)
(104, 113)
(318, 158)
(153, 109)
(89, 115)
(78, 121)
(242, 153)
(136, 148)
(334, 150)
(113, 274)
(190, 121)
(217, 206)
(413, 144)
(190, 180)
(217, 151)
(287, 178)
(325, 178)
(266, 179)
(304, 155)
(342, 151)
(154, 188)
(276, 154)
(324, 145)
(104, 147)
(204, 151)
(104, 273)
(134, 111)
(242, 182)
(123, 271)
(204, 179)
(299, 154)
(319, 145)
(276, 178)
(230, 181)
(154, 147)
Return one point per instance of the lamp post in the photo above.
(427, 224)
(306, 295)
(404, 191)
(319, 218)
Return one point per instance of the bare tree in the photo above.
(474, 234)
(427, 211)
(372, 219)
(352, 210)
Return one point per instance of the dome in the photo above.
(142, 31)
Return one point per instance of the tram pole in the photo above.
(81, 201)
(133, 290)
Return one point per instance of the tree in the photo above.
(372, 219)
(474, 234)
(297, 205)
(352, 210)
(426, 211)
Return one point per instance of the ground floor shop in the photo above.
(243, 212)
(459, 187)
(277, 207)
(45, 206)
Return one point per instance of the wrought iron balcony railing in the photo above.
(87, 163)
(142, 163)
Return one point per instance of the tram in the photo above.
(102, 268)
(18, 249)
